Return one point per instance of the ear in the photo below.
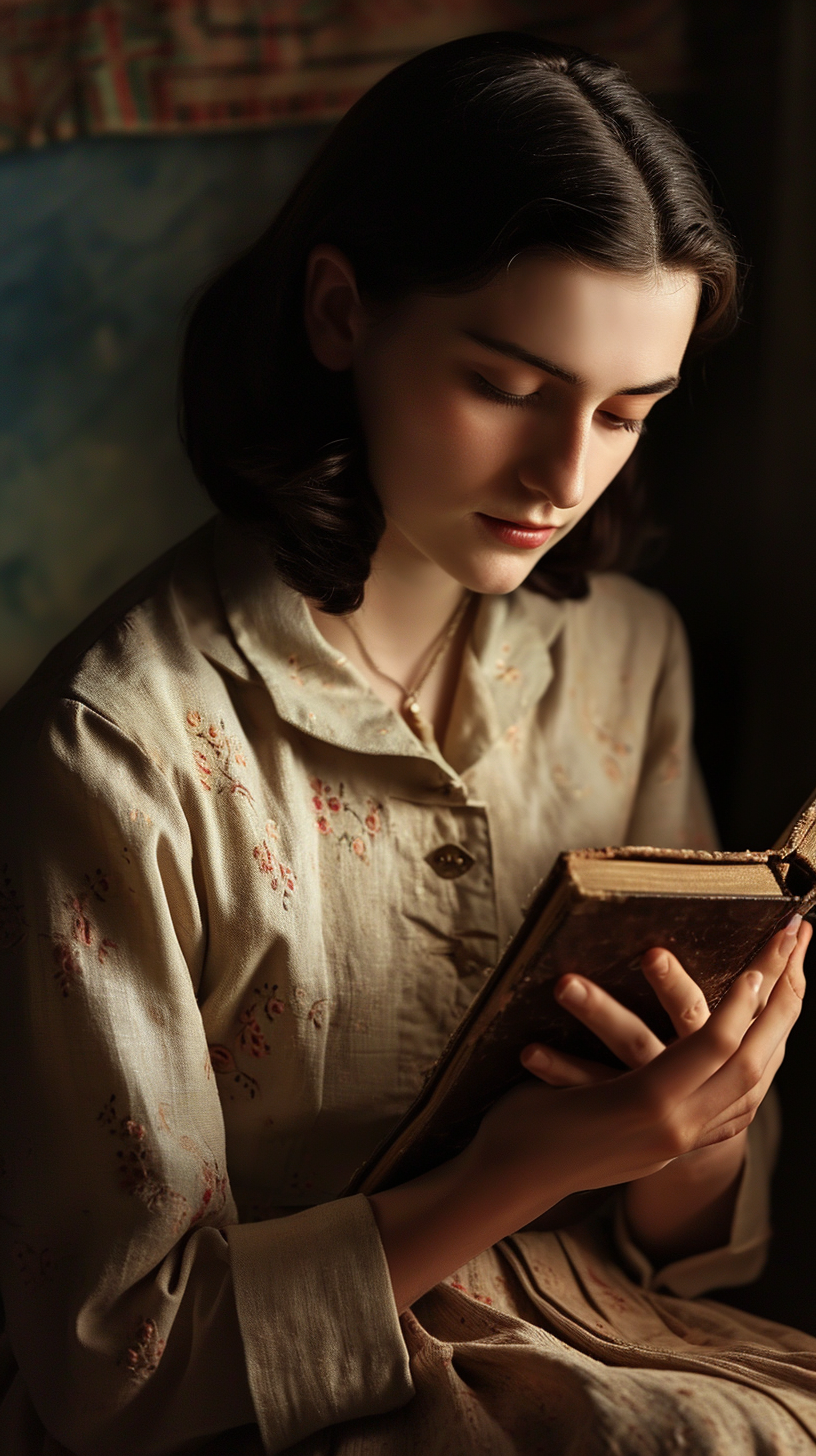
(332, 311)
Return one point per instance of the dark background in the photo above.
(731, 460)
(100, 244)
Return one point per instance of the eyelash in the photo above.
(524, 401)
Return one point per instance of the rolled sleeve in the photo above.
(742, 1258)
(333, 1348)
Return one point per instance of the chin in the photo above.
(496, 575)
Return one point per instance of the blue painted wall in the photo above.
(101, 243)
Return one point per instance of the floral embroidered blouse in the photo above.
(230, 949)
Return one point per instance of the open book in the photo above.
(597, 913)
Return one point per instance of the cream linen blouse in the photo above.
(228, 957)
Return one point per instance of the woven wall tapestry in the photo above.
(75, 67)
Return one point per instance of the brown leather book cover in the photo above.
(597, 913)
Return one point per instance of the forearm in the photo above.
(431, 1226)
(688, 1207)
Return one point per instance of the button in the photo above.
(455, 790)
(450, 861)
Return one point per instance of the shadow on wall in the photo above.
(101, 244)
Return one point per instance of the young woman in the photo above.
(275, 809)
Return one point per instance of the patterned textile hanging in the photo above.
(95, 67)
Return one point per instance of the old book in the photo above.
(597, 913)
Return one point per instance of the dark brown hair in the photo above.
(449, 167)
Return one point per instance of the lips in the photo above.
(521, 534)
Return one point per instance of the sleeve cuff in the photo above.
(321, 1333)
(742, 1258)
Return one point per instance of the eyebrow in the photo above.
(515, 351)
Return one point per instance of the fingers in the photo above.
(560, 1070)
(677, 993)
(690, 1062)
(682, 998)
(773, 957)
(746, 1072)
(623, 1032)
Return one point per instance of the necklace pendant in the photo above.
(412, 706)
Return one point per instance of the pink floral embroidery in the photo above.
(214, 1183)
(81, 933)
(280, 875)
(138, 1174)
(316, 1013)
(251, 1039)
(141, 1359)
(221, 1059)
(241, 1085)
(505, 672)
(12, 921)
(216, 754)
(356, 829)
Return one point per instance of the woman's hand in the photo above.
(597, 1127)
(582, 1125)
(687, 1206)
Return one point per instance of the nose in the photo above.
(555, 463)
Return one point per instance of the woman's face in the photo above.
(495, 419)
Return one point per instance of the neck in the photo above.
(408, 601)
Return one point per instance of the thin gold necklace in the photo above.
(410, 702)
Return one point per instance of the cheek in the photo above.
(428, 436)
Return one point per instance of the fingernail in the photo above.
(659, 963)
(754, 979)
(792, 927)
(535, 1059)
(572, 994)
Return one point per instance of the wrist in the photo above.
(433, 1225)
(687, 1208)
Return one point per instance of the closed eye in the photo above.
(617, 422)
(522, 401)
(500, 396)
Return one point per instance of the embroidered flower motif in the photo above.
(505, 672)
(138, 1174)
(273, 1005)
(12, 921)
(279, 874)
(141, 1359)
(221, 1059)
(81, 933)
(356, 827)
(69, 970)
(241, 1085)
(597, 727)
(216, 754)
(214, 1183)
(251, 1039)
(316, 1013)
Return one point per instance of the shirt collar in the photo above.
(506, 668)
